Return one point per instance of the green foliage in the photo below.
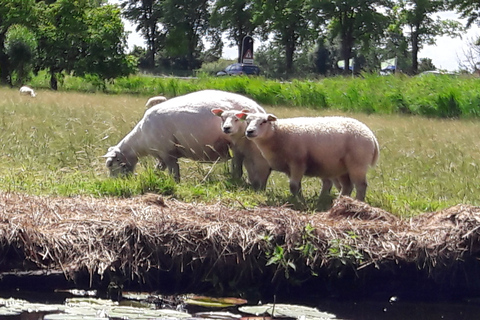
(21, 47)
(279, 258)
(344, 251)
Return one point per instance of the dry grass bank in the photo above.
(132, 237)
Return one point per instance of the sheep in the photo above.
(256, 165)
(155, 100)
(180, 127)
(27, 91)
(336, 149)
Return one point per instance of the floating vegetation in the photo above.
(287, 311)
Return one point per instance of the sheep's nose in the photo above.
(227, 129)
(250, 133)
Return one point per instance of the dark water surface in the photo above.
(359, 309)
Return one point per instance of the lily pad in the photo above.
(145, 314)
(288, 310)
(211, 302)
(218, 315)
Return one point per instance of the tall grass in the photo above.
(431, 95)
(52, 144)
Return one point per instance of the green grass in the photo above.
(431, 96)
(52, 145)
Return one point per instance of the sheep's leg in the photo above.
(173, 168)
(360, 186)
(346, 185)
(296, 175)
(160, 165)
(336, 182)
(258, 172)
(237, 163)
(260, 183)
(326, 188)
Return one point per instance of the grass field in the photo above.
(53, 144)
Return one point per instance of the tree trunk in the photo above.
(346, 53)
(53, 80)
(415, 51)
(4, 65)
(289, 51)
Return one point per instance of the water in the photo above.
(359, 309)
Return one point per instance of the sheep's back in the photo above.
(186, 125)
(323, 142)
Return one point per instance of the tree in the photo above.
(426, 64)
(322, 59)
(353, 21)
(61, 33)
(21, 47)
(417, 16)
(80, 36)
(236, 18)
(468, 9)
(105, 45)
(185, 22)
(147, 14)
(290, 22)
(12, 12)
(470, 62)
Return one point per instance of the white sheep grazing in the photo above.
(28, 91)
(257, 167)
(333, 148)
(180, 127)
(155, 100)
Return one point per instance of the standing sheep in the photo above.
(256, 165)
(155, 100)
(28, 91)
(180, 127)
(333, 148)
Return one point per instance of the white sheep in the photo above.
(336, 149)
(257, 167)
(155, 100)
(180, 127)
(28, 91)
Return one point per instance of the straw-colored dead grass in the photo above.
(138, 234)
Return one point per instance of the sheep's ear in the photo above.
(271, 117)
(111, 153)
(241, 116)
(217, 112)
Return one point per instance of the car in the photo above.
(238, 69)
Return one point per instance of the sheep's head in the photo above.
(117, 162)
(258, 124)
(230, 123)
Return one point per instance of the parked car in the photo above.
(238, 69)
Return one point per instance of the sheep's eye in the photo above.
(236, 120)
(264, 121)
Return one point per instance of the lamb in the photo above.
(155, 100)
(180, 127)
(27, 91)
(336, 149)
(256, 165)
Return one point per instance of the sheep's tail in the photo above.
(376, 153)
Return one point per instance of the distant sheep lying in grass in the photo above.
(155, 100)
(181, 127)
(336, 149)
(257, 167)
(28, 91)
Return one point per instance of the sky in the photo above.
(445, 55)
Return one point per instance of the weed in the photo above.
(342, 250)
